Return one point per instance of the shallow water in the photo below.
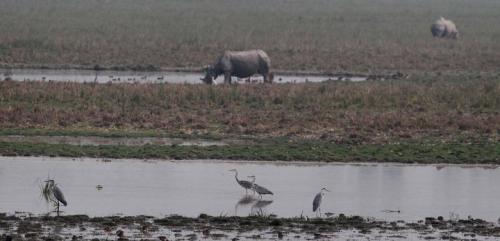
(133, 187)
(82, 76)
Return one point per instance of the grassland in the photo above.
(326, 35)
(444, 107)
(424, 119)
(448, 110)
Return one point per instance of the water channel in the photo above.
(158, 188)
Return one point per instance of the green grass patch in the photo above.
(482, 153)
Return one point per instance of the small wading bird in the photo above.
(259, 189)
(317, 201)
(53, 193)
(245, 184)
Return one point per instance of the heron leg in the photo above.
(57, 210)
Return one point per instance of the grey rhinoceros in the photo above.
(241, 64)
(444, 28)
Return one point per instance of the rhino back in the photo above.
(245, 63)
(451, 27)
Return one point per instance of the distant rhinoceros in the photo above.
(444, 28)
(241, 64)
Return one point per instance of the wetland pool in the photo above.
(90, 76)
(188, 188)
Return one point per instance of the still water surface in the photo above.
(89, 76)
(133, 187)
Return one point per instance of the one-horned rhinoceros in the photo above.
(241, 64)
(444, 28)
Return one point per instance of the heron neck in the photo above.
(236, 176)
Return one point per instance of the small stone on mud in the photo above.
(119, 233)
(30, 235)
(276, 222)
(192, 237)
(280, 234)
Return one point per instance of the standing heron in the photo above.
(57, 194)
(259, 189)
(245, 184)
(317, 201)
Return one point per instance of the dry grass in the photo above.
(366, 112)
(331, 35)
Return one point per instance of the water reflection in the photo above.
(244, 201)
(90, 76)
(157, 188)
(259, 207)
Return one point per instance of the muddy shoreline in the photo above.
(81, 227)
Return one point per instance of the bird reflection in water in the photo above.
(258, 207)
(244, 201)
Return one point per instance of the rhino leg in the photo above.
(227, 78)
(268, 78)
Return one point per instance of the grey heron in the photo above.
(259, 189)
(317, 201)
(245, 184)
(57, 194)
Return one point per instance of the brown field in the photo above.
(325, 35)
(443, 107)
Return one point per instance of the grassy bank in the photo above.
(431, 152)
(443, 107)
(332, 35)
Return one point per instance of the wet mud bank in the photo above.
(204, 227)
